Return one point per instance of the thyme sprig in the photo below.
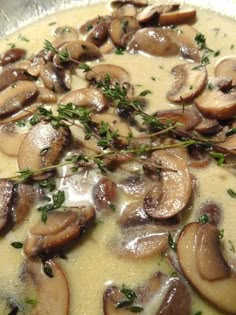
(64, 55)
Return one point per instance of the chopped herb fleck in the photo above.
(221, 233)
(232, 248)
(47, 269)
(171, 242)
(128, 293)
(198, 313)
(113, 208)
(210, 86)
(219, 157)
(230, 132)
(52, 23)
(119, 51)
(32, 302)
(48, 184)
(232, 47)
(23, 38)
(11, 45)
(144, 93)
(135, 309)
(231, 193)
(20, 123)
(153, 78)
(89, 27)
(203, 219)
(34, 120)
(17, 244)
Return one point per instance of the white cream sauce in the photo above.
(92, 265)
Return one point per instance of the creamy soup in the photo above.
(131, 202)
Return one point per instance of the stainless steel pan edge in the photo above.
(17, 13)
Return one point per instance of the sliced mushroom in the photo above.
(121, 26)
(65, 34)
(153, 12)
(198, 156)
(104, 194)
(208, 127)
(86, 27)
(78, 50)
(116, 73)
(7, 193)
(155, 41)
(210, 261)
(57, 80)
(229, 143)
(61, 229)
(12, 55)
(227, 68)
(136, 186)
(133, 215)
(87, 97)
(12, 75)
(98, 34)
(158, 295)
(188, 82)
(52, 292)
(176, 187)
(46, 96)
(137, 3)
(10, 139)
(16, 97)
(221, 292)
(22, 114)
(115, 161)
(213, 103)
(177, 17)
(142, 241)
(188, 118)
(125, 10)
(116, 124)
(42, 147)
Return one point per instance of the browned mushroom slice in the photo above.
(42, 146)
(136, 186)
(46, 96)
(158, 295)
(137, 3)
(133, 214)
(188, 118)
(104, 194)
(116, 124)
(229, 143)
(184, 35)
(227, 68)
(87, 97)
(86, 27)
(177, 17)
(98, 34)
(155, 41)
(61, 229)
(188, 83)
(12, 55)
(208, 127)
(176, 187)
(78, 50)
(57, 80)
(153, 11)
(125, 10)
(25, 112)
(142, 241)
(221, 292)
(16, 97)
(121, 26)
(52, 291)
(7, 192)
(198, 157)
(116, 73)
(10, 76)
(214, 103)
(10, 139)
(210, 261)
(64, 34)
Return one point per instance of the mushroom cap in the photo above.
(213, 103)
(177, 17)
(7, 192)
(12, 55)
(227, 68)
(60, 230)
(87, 97)
(42, 136)
(155, 41)
(52, 293)
(16, 97)
(188, 82)
(12, 75)
(176, 187)
(221, 292)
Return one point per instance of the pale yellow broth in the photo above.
(92, 265)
